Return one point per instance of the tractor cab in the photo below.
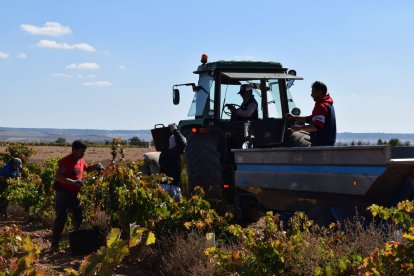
(217, 89)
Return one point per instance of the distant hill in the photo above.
(98, 135)
(348, 137)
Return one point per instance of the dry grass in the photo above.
(177, 254)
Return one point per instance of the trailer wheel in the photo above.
(204, 166)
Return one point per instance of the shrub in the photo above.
(17, 252)
(19, 150)
(270, 248)
(396, 257)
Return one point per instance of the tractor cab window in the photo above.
(291, 103)
(275, 106)
(201, 96)
(229, 95)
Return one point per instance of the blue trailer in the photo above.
(327, 182)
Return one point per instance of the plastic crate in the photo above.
(160, 136)
(85, 242)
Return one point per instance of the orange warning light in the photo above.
(204, 58)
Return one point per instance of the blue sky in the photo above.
(111, 64)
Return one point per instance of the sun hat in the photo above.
(18, 162)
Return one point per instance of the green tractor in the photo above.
(212, 133)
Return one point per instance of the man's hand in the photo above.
(290, 116)
(77, 182)
(295, 128)
(231, 107)
(172, 127)
(99, 167)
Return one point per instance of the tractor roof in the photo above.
(241, 66)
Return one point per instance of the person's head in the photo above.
(319, 90)
(245, 91)
(78, 149)
(17, 163)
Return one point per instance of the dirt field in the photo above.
(95, 154)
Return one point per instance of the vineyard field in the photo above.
(95, 154)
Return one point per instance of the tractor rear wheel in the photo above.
(204, 166)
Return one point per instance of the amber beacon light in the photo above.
(204, 58)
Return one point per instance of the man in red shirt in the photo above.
(68, 182)
(318, 129)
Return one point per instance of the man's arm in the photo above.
(180, 140)
(246, 113)
(61, 178)
(310, 127)
(302, 119)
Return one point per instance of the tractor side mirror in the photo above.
(295, 111)
(176, 96)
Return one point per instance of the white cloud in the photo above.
(49, 28)
(62, 76)
(3, 55)
(21, 55)
(90, 76)
(97, 84)
(55, 45)
(85, 65)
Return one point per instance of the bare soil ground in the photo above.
(93, 154)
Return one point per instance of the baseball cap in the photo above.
(17, 161)
(245, 88)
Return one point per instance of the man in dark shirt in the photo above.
(170, 162)
(248, 108)
(319, 129)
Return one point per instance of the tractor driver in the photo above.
(248, 108)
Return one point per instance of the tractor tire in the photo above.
(204, 166)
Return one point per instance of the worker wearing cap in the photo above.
(248, 108)
(11, 170)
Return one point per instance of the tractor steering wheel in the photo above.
(226, 109)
